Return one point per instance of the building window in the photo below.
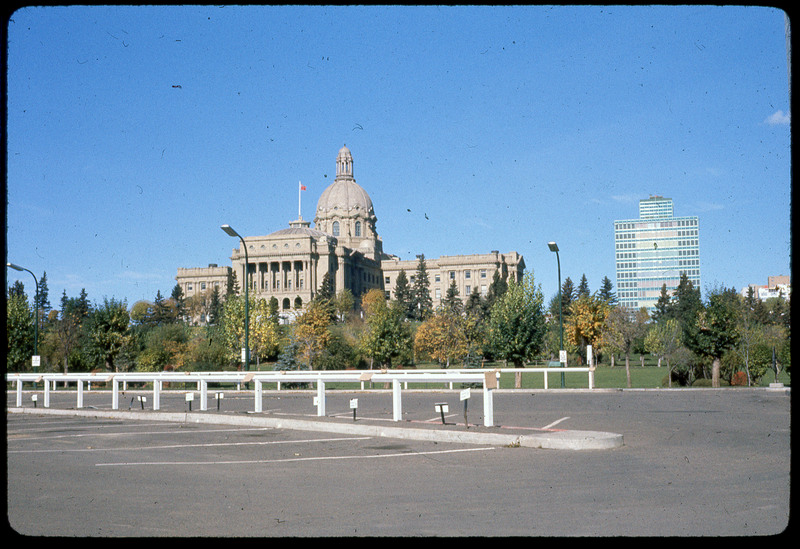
(335, 228)
(438, 278)
(467, 274)
(467, 290)
(358, 228)
(483, 273)
(452, 275)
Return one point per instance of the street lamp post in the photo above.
(36, 308)
(233, 233)
(554, 248)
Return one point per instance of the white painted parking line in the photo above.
(286, 460)
(555, 423)
(138, 433)
(173, 446)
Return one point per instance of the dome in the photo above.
(344, 197)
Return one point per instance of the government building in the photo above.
(290, 264)
(653, 251)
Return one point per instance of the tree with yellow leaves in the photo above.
(585, 322)
(442, 337)
(312, 331)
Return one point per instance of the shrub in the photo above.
(739, 379)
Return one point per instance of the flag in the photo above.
(302, 187)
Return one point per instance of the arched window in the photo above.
(358, 228)
(286, 303)
(335, 228)
(298, 303)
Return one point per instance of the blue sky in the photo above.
(133, 133)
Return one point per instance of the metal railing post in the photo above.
(397, 404)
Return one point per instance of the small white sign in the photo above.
(465, 394)
(562, 357)
(36, 361)
(441, 407)
(189, 397)
(353, 403)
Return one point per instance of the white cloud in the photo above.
(779, 118)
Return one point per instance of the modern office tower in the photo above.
(655, 250)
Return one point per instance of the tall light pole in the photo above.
(554, 248)
(36, 308)
(231, 232)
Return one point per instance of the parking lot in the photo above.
(694, 462)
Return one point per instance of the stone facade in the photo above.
(469, 272)
(291, 263)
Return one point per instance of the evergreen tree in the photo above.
(607, 293)
(214, 307)
(180, 302)
(422, 303)
(160, 310)
(17, 290)
(567, 296)
(232, 284)
(451, 300)
(42, 300)
(661, 309)
(473, 304)
(325, 291)
(583, 287)
(403, 294)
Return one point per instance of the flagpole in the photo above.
(299, 195)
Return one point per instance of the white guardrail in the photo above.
(489, 379)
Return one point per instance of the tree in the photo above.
(713, 331)
(387, 336)
(567, 296)
(622, 328)
(583, 287)
(403, 294)
(421, 301)
(584, 323)
(265, 335)
(325, 292)
(373, 301)
(214, 311)
(343, 303)
(108, 331)
(179, 302)
(663, 339)
(311, 331)
(67, 330)
(451, 300)
(19, 331)
(606, 292)
(516, 325)
(661, 309)
(442, 337)
(42, 300)
(233, 325)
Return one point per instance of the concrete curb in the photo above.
(553, 440)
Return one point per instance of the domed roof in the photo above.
(344, 196)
